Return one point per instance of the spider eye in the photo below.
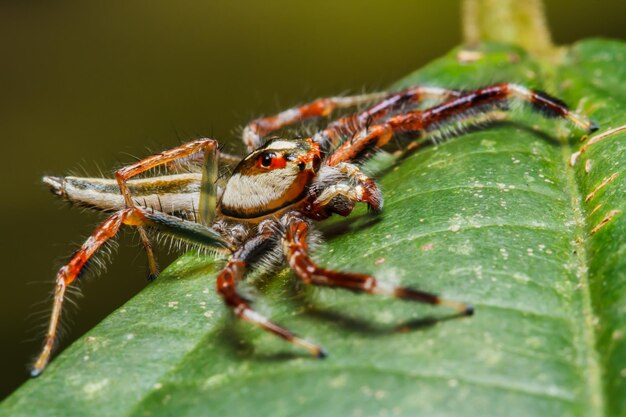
(271, 160)
(266, 159)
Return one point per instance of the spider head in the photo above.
(271, 178)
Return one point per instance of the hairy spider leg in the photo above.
(341, 129)
(224, 159)
(386, 102)
(482, 100)
(255, 130)
(296, 251)
(132, 216)
(68, 273)
(234, 271)
(207, 204)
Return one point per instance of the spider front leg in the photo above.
(227, 287)
(207, 204)
(296, 250)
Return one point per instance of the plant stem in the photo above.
(507, 21)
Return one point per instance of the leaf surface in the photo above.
(496, 217)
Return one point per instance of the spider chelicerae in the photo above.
(264, 211)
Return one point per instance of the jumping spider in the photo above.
(267, 206)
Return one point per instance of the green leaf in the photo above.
(496, 217)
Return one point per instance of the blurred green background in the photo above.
(90, 85)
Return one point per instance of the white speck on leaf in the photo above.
(339, 381)
(523, 278)
(214, 380)
(92, 388)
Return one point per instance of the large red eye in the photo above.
(271, 160)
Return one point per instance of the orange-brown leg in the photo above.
(256, 129)
(339, 130)
(482, 100)
(69, 273)
(234, 271)
(224, 159)
(208, 195)
(296, 251)
(133, 216)
(226, 287)
(385, 102)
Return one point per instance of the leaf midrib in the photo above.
(586, 330)
(589, 347)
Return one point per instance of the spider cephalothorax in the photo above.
(265, 209)
(271, 179)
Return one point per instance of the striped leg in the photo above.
(296, 251)
(337, 131)
(227, 288)
(138, 217)
(256, 129)
(386, 102)
(480, 101)
(197, 159)
(208, 202)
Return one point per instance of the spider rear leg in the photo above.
(132, 216)
(68, 274)
(234, 271)
(207, 202)
(296, 252)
